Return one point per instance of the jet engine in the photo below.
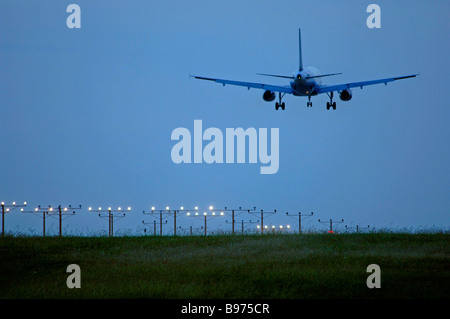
(268, 96)
(345, 95)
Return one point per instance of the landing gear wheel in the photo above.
(334, 105)
(308, 104)
(282, 106)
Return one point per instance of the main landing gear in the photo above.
(331, 104)
(279, 104)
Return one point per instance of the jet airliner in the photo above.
(306, 81)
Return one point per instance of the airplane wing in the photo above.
(248, 85)
(340, 87)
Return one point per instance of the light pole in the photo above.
(234, 212)
(205, 217)
(154, 225)
(243, 223)
(6, 208)
(110, 216)
(331, 224)
(300, 216)
(61, 211)
(262, 217)
(161, 213)
(169, 212)
(357, 228)
(182, 210)
(38, 210)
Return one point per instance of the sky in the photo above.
(86, 115)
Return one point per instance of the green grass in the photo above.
(270, 266)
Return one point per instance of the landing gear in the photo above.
(280, 104)
(331, 104)
(309, 103)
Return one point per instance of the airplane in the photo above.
(306, 81)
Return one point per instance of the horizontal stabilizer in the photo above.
(321, 76)
(277, 76)
(293, 78)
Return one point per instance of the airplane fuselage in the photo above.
(303, 86)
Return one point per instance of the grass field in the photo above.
(269, 266)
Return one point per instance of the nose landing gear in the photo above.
(309, 103)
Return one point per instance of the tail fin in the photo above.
(300, 64)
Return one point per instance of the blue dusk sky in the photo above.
(86, 115)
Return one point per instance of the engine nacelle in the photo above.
(268, 96)
(345, 95)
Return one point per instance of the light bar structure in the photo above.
(205, 217)
(154, 226)
(61, 211)
(262, 217)
(300, 216)
(243, 224)
(111, 215)
(170, 212)
(357, 228)
(161, 213)
(233, 211)
(39, 210)
(331, 224)
(6, 208)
